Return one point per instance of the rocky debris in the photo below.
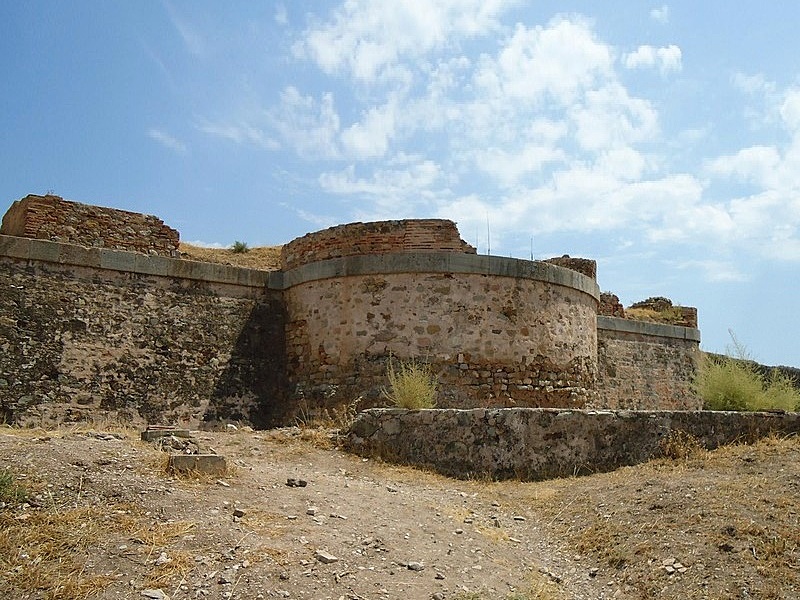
(294, 482)
(171, 439)
(155, 594)
(325, 558)
(415, 566)
(672, 566)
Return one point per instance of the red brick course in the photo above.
(53, 218)
(381, 237)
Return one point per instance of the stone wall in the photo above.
(381, 237)
(90, 332)
(610, 306)
(88, 328)
(495, 331)
(581, 265)
(646, 365)
(53, 218)
(534, 444)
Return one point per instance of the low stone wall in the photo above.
(87, 332)
(535, 444)
(53, 218)
(643, 365)
(381, 237)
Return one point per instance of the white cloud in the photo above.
(752, 84)
(310, 126)
(240, 133)
(167, 140)
(715, 270)
(609, 117)
(366, 37)
(660, 14)
(756, 164)
(666, 59)
(370, 137)
(540, 132)
(281, 16)
(192, 39)
(202, 244)
(410, 179)
(790, 110)
(554, 63)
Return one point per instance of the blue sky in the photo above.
(661, 139)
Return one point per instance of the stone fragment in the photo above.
(155, 594)
(325, 557)
(415, 566)
(238, 513)
(154, 432)
(204, 464)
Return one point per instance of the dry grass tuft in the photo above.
(681, 445)
(411, 385)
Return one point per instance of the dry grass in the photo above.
(263, 258)
(670, 316)
(45, 552)
(731, 511)
(411, 385)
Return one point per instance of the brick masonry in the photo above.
(418, 235)
(53, 218)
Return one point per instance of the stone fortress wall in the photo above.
(118, 326)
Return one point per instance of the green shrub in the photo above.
(240, 247)
(725, 383)
(411, 385)
(733, 382)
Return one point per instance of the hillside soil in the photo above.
(262, 258)
(102, 518)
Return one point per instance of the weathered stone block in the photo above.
(204, 464)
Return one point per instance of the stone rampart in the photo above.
(535, 444)
(86, 328)
(381, 237)
(645, 365)
(86, 332)
(495, 331)
(53, 218)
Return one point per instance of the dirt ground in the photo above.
(103, 519)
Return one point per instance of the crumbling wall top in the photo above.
(50, 217)
(585, 266)
(380, 237)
